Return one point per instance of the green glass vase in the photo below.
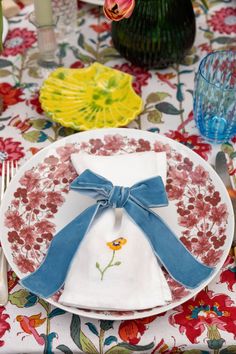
(158, 33)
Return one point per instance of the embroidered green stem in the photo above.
(109, 265)
(101, 339)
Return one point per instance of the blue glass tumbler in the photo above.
(215, 96)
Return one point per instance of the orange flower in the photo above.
(117, 244)
(116, 10)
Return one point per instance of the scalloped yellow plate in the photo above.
(90, 98)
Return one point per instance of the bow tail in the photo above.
(51, 274)
(174, 256)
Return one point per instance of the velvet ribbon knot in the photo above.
(136, 201)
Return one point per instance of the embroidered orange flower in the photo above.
(117, 243)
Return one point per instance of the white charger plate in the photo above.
(51, 169)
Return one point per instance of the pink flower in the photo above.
(224, 20)
(27, 233)
(45, 226)
(55, 198)
(24, 264)
(4, 325)
(10, 150)
(113, 142)
(30, 180)
(116, 10)
(18, 40)
(174, 192)
(188, 221)
(13, 220)
(65, 151)
(199, 176)
(180, 177)
(219, 214)
(36, 198)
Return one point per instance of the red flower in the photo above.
(45, 226)
(4, 325)
(140, 74)
(102, 27)
(10, 95)
(13, 219)
(194, 142)
(18, 40)
(10, 150)
(36, 198)
(224, 20)
(54, 197)
(131, 331)
(228, 276)
(34, 103)
(204, 311)
(24, 264)
(30, 180)
(77, 65)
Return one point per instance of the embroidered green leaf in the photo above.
(34, 72)
(117, 263)
(156, 97)
(155, 116)
(56, 312)
(92, 328)
(64, 131)
(4, 73)
(4, 63)
(168, 108)
(190, 60)
(110, 340)
(105, 325)
(19, 298)
(35, 136)
(97, 265)
(195, 351)
(64, 349)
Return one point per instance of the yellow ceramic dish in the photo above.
(90, 98)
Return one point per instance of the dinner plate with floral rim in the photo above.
(37, 204)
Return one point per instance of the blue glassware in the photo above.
(215, 96)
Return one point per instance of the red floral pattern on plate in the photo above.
(43, 188)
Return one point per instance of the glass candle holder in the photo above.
(47, 44)
(215, 96)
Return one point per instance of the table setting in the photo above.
(118, 176)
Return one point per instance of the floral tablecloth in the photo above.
(204, 324)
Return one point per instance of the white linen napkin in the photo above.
(115, 267)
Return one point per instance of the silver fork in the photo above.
(8, 171)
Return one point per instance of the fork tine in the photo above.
(12, 170)
(3, 179)
(7, 172)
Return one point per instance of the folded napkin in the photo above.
(90, 244)
(133, 278)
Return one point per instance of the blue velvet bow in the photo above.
(136, 201)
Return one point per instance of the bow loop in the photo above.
(150, 193)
